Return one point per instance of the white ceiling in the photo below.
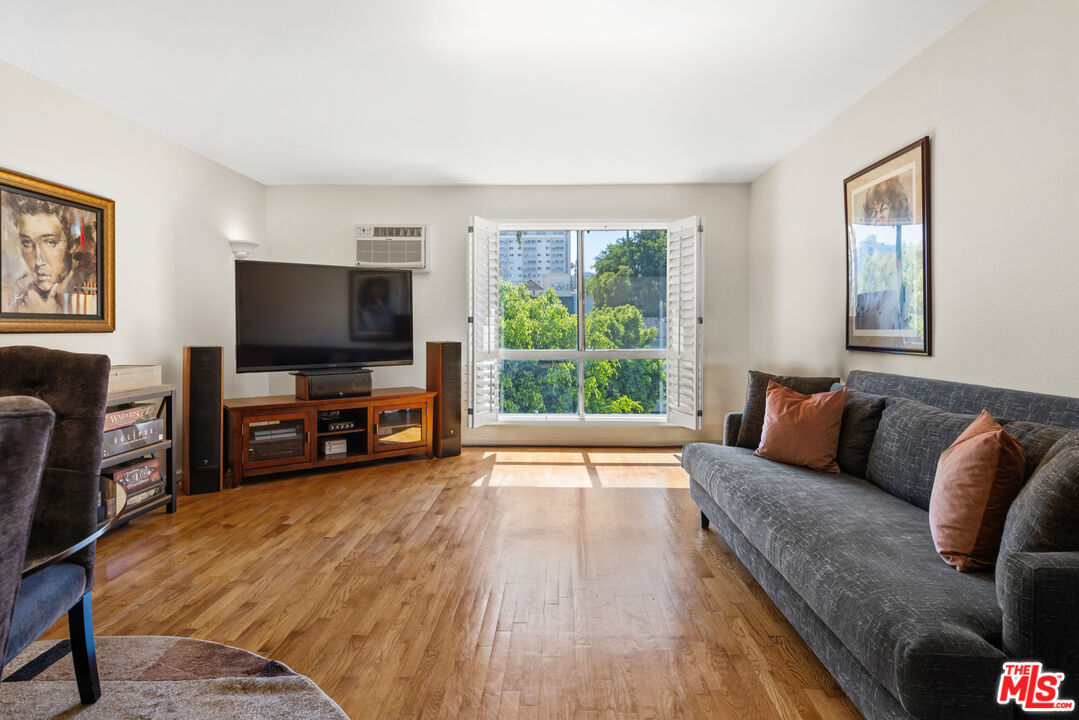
(477, 91)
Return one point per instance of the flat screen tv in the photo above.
(321, 317)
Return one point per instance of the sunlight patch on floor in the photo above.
(538, 457)
(621, 476)
(540, 476)
(582, 469)
(634, 458)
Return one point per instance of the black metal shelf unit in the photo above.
(163, 450)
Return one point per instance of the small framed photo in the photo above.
(887, 209)
(57, 269)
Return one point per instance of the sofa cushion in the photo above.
(864, 561)
(1036, 438)
(861, 687)
(1045, 516)
(972, 399)
(908, 444)
(861, 416)
(977, 479)
(802, 429)
(749, 433)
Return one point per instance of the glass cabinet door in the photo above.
(399, 427)
(276, 440)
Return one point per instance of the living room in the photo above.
(572, 559)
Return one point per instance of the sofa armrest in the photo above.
(732, 421)
(1040, 599)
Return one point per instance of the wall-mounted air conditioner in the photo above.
(392, 246)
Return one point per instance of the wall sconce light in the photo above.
(242, 248)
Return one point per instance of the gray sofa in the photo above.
(850, 560)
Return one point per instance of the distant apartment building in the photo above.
(532, 255)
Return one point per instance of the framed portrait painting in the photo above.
(56, 258)
(887, 208)
(379, 303)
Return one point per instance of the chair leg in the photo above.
(80, 622)
(704, 521)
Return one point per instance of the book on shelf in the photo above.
(145, 495)
(129, 414)
(133, 437)
(136, 475)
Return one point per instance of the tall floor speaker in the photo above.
(444, 377)
(202, 451)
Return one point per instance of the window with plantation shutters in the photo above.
(483, 283)
(574, 322)
(684, 323)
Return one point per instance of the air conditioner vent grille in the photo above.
(392, 246)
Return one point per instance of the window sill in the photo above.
(617, 420)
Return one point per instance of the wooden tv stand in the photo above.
(281, 433)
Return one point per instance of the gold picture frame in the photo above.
(57, 258)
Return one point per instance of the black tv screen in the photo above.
(311, 317)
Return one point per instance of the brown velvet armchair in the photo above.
(25, 427)
(75, 387)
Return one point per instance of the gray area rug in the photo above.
(160, 677)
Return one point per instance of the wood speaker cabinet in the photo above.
(444, 378)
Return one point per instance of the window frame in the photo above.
(580, 355)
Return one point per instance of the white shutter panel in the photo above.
(684, 287)
(483, 311)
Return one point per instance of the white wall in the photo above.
(174, 209)
(997, 94)
(315, 224)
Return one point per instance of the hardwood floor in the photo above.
(506, 583)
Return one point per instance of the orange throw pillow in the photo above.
(802, 429)
(977, 479)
